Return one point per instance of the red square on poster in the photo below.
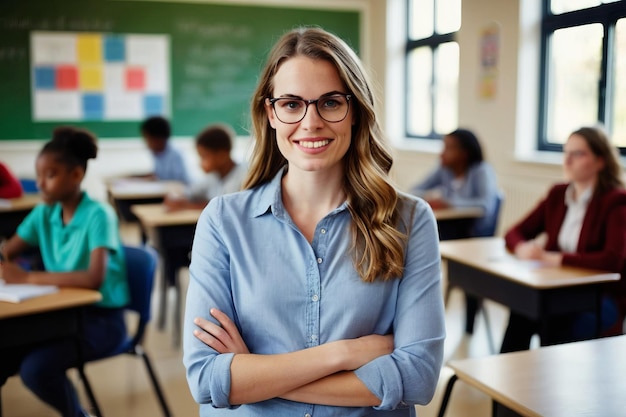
(66, 77)
(135, 78)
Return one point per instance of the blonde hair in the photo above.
(372, 200)
(598, 141)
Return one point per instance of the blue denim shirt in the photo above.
(170, 165)
(286, 294)
(478, 189)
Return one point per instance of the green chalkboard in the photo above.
(216, 51)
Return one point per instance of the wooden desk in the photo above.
(453, 213)
(172, 234)
(44, 318)
(483, 268)
(126, 192)
(11, 215)
(568, 380)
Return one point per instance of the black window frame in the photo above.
(432, 42)
(606, 14)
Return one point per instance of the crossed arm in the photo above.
(320, 375)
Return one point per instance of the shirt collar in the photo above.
(583, 199)
(57, 212)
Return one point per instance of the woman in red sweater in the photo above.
(585, 225)
(10, 186)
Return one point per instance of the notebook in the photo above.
(14, 293)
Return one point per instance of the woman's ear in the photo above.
(269, 110)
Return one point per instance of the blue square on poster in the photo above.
(93, 107)
(45, 78)
(114, 49)
(153, 104)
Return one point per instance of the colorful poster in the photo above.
(99, 76)
(489, 56)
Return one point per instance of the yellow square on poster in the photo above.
(89, 49)
(91, 78)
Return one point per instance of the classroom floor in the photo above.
(123, 389)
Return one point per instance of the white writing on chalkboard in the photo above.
(56, 23)
(13, 53)
(214, 76)
(212, 30)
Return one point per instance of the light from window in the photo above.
(575, 59)
(421, 21)
(446, 87)
(619, 99)
(448, 17)
(564, 6)
(419, 107)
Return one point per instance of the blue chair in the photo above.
(141, 264)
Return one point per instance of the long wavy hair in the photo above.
(379, 239)
(611, 175)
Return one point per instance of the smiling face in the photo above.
(580, 164)
(312, 144)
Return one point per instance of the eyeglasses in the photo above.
(332, 108)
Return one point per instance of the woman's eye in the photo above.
(330, 103)
(292, 105)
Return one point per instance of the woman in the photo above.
(322, 281)
(462, 179)
(80, 246)
(584, 223)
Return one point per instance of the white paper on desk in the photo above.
(14, 293)
(5, 202)
(139, 187)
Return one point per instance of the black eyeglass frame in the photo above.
(347, 96)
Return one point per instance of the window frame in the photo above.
(606, 14)
(432, 42)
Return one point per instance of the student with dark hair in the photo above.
(80, 246)
(10, 186)
(462, 179)
(584, 223)
(169, 164)
(224, 175)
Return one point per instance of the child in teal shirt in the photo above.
(79, 242)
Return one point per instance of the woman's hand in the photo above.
(529, 250)
(224, 338)
(12, 273)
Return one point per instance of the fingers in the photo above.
(224, 336)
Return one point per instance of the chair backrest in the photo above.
(141, 264)
(493, 223)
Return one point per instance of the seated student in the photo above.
(462, 179)
(168, 162)
(10, 186)
(224, 175)
(79, 242)
(584, 223)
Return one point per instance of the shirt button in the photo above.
(323, 231)
(313, 337)
(307, 415)
(319, 260)
(315, 297)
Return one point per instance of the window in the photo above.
(583, 69)
(432, 68)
